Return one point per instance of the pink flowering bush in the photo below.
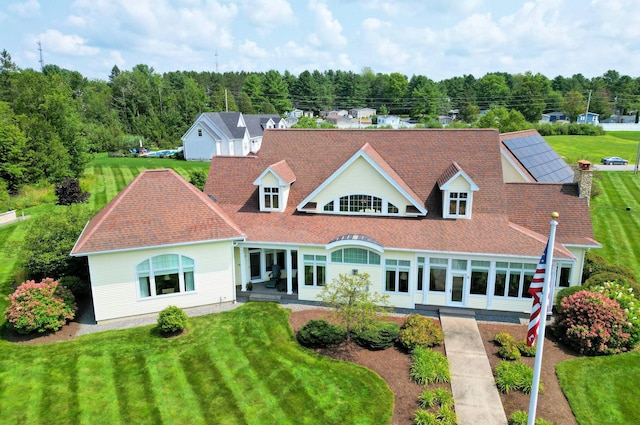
(41, 307)
(593, 324)
(624, 295)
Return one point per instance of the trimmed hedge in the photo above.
(378, 336)
(420, 331)
(321, 334)
(172, 319)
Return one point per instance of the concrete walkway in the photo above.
(474, 390)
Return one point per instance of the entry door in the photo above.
(455, 294)
(254, 265)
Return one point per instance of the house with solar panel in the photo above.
(437, 218)
(227, 133)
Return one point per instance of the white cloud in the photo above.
(251, 49)
(70, 44)
(268, 14)
(328, 30)
(26, 9)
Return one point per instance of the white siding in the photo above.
(115, 286)
(199, 148)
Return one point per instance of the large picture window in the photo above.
(165, 274)
(315, 270)
(437, 274)
(360, 204)
(397, 275)
(479, 277)
(513, 279)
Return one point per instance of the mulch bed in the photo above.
(393, 366)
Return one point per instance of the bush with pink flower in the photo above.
(40, 307)
(593, 324)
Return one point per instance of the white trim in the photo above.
(86, 254)
(354, 243)
(473, 186)
(347, 164)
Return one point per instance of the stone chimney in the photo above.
(582, 175)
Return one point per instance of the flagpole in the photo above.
(533, 401)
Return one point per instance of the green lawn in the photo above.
(238, 367)
(593, 148)
(614, 227)
(603, 390)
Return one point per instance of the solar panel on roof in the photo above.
(535, 154)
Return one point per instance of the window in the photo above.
(315, 270)
(458, 203)
(328, 206)
(355, 256)
(513, 279)
(199, 132)
(479, 277)
(392, 209)
(420, 273)
(360, 204)
(564, 277)
(397, 275)
(437, 274)
(165, 274)
(271, 198)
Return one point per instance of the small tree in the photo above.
(356, 307)
(198, 178)
(69, 192)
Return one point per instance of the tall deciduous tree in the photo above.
(13, 145)
(574, 104)
(529, 95)
(504, 120)
(492, 90)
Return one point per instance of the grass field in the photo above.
(238, 367)
(602, 390)
(593, 148)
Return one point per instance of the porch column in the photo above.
(289, 272)
(243, 268)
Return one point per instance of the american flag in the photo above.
(536, 288)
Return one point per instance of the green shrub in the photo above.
(438, 397)
(594, 264)
(525, 350)
(624, 296)
(564, 293)
(429, 366)
(172, 319)
(600, 278)
(593, 324)
(503, 338)
(514, 376)
(420, 331)
(76, 285)
(447, 416)
(378, 336)
(424, 417)
(520, 417)
(40, 307)
(509, 352)
(321, 334)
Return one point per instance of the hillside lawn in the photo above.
(81, 380)
(238, 367)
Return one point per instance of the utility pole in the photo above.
(41, 60)
(586, 114)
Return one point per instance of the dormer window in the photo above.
(458, 204)
(271, 198)
(457, 192)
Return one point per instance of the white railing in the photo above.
(620, 127)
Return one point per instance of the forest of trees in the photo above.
(53, 119)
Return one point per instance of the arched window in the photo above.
(165, 274)
(355, 256)
(360, 204)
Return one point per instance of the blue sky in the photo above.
(439, 39)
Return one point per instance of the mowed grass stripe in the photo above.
(180, 401)
(133, 387)
(98, 198)
(110, 189)
(217, 402)
(98, 401)
(20, 395)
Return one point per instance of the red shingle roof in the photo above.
(157, 208)
(506, 218)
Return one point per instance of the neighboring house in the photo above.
(159, 242)
(362, 112)
(344, 122)
(227, 134)
(592, 118)
(552, 117)
(296, 113)
(445, 120)
(392, 121)
(426, 213)
(620, 119)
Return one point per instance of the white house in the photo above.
(437, 218)
(227, 134)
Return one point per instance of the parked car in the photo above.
(614, 160)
